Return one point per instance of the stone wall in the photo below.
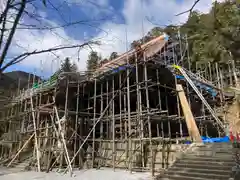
(163, 155)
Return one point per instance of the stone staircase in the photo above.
(208, 161)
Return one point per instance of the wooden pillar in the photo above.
(190, 121)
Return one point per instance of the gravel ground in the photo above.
(91, 174)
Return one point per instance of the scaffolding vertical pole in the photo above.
(230, 74)
(204, 115)
(21, 124)
(94, 120)
(125, 121)
(66, 115)
(35, 134)
(38, 115)
(76, 120)
(101, 110)
(179, 111)
(218, 80)
(235, 74)
(120, 106)
(210, 71)
(63, 139)
(129, 119)
(10, 125)
(107, 122)
(113, 127)
(159, 98)
(81, 125)
(139, 119)
(148, 111)
(159, 92)
(188, 54)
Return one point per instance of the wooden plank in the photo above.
(190, 121)
(158, 43)
(20, 150)
(35, 135)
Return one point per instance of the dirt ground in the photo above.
(91, 174)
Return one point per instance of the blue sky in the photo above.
(107, 20)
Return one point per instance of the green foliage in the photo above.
(66, 66)
(155, 32)
(113, 55)
(212, 37)
(93, 61)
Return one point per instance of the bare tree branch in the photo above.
(4, 20)
(13, 13)
(10, 37)
(189, 10)
(34, 27)
(27, 54)
(11, 6)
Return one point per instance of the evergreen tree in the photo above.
(66, 66)
(93, 61)
(113, 55)
(212, 37)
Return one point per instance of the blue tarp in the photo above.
(201, 85)
(212, 140)
(121, 68)
(215, 140)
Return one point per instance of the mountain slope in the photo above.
(10, 82)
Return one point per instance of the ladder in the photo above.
(218, 121)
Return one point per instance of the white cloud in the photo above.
(39, 40)
(2, 5)
(162, 11)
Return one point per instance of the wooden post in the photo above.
(113, 128)
(94, 120)
(76, 121)
(129, 120)
(139, 112)
(120, 107)
(235, 74)
(63, 140)
(148, 117)
(190, 121)
(35, 134)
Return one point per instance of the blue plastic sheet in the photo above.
(121, 68)
(201, 85)
(215, 140)
(212, 140)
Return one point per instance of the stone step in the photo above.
(208, 161)
(186, 177)
(200, 175)
(211, 153)
(182, 178)
(202, 166)
(227, 150)
(200, 170)
(215, 145)
(209, 158)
